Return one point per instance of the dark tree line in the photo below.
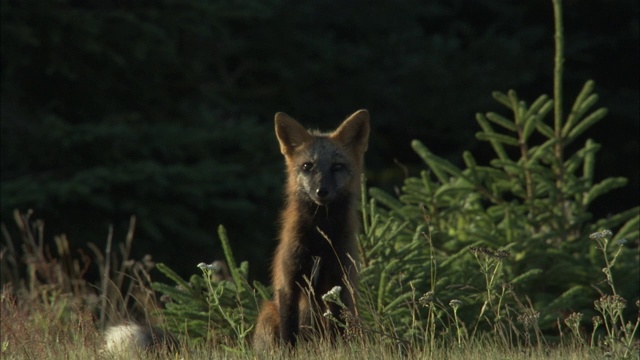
(163, 109)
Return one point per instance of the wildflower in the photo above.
(353, 326)
(333, 294)
(335, 290)
(455, 304)
(597, 320)
(426, 298)
(611, 303)
(604, 234)
(498, 254)
(148, 262)
(529, 318)
(573, 320)
(479, 251)
(212, 267)
(622, 242)
(329, 315)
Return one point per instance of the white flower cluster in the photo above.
(333, 294)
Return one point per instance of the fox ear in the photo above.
(354, 132)
(290, 133)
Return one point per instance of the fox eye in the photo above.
(307, 166)
(337, 166)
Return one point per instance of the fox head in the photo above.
(324, 166)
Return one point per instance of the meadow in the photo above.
(53, 313)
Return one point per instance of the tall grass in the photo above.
(50, 309)
(46, 317)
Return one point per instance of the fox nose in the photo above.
(322, 192)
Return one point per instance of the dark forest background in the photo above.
(164, 109)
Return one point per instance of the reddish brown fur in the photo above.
(323, 198)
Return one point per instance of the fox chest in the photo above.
(313, 254)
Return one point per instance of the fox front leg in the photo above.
(289, 316)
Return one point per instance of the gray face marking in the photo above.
(322, 171)
(323, 152)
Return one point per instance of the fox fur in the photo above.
(317, 247)
(132, 339)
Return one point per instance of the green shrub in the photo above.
(219, 306)
(520, 225)
(508, 240)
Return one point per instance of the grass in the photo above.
(33, 338)
(48, 311)
(42, 333)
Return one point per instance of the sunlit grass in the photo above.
(45, 317)
(40, 333)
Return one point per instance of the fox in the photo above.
(317, 248)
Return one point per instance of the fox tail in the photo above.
(132, 339)
(267, 328)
